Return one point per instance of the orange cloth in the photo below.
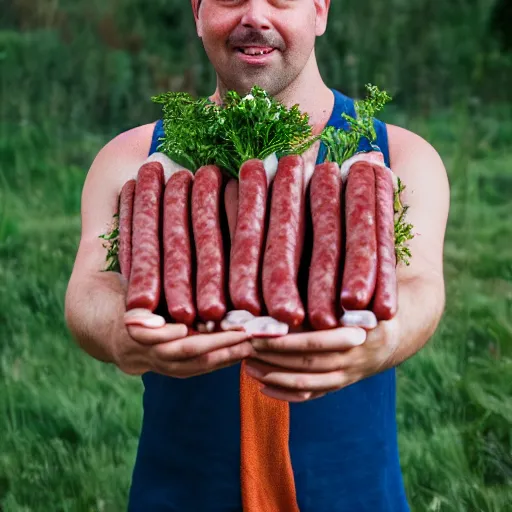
(268, 483)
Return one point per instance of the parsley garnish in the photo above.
(190, 128)
(199, 133)
(112, 246)
(257, 125)
(342, 144)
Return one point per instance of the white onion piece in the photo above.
(270, 164)
(143, 318)
(359, 318)
(259, 326)
(170, 167)
(235, 320)
(309, 169)
(265, 327)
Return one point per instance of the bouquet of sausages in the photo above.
(303, 247)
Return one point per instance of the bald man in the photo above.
(337, 387)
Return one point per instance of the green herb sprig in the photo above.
(403, 229)
(112, 246)
(190, 127)
(198, 132)
(342, 144)
(257, 125)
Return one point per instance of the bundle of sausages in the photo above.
(300, 253)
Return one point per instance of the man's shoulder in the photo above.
(411, 154)
(120, 158)
(403, 142)
(134, 142)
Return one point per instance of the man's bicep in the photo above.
(427, 195)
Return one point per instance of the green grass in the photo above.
(69, 424)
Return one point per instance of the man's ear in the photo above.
(199, 27)
(322, 12)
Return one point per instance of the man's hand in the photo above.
(166, 349)
(308, 365)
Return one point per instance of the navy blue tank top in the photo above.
(343, 447)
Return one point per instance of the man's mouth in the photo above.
(255, 51)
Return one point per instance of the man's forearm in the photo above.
(93, 311)
(421, 306)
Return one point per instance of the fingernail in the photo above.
(359, 337)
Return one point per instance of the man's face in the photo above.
(260, 42)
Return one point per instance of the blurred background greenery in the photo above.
(74, 73)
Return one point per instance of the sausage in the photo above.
(177, 248)
(144, 286)
(247, 247)
(360, 271)
(125, 227)
(210, 285)
(284, 243)
(325, 197)
(385, 302)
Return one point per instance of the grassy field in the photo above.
(69, 424)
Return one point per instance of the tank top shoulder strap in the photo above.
(158, 134)
(344, 104)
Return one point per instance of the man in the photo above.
(339, 385)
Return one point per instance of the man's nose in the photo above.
(256, 15)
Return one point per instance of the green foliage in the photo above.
(403, 229)
(342, 144)
(198, 132)
(112, 246)
(191, 130)
(257, 125)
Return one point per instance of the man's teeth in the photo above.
(255, 51)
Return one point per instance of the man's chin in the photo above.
(245, 81)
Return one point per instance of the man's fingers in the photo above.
(331, 340)
(305, 382)
(199, 345)
(205, 363)
(286, 395)
(303, 361)
(153, 336)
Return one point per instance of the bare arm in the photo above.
(94, 304)
(421, 284)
